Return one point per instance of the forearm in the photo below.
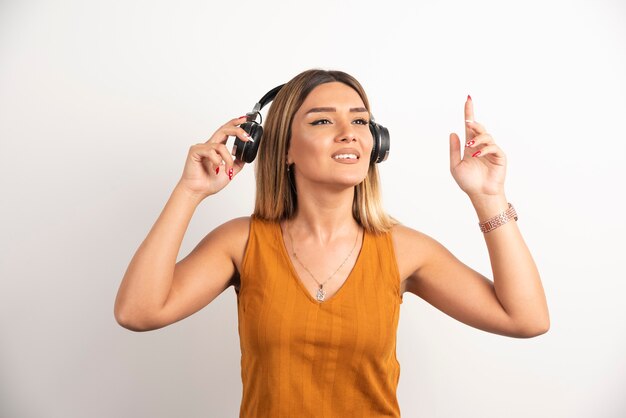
(148, 278)
(516, 278)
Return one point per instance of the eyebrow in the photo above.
(332, 109)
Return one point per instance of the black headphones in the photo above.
(246, 151)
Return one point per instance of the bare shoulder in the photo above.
(412, 248)
(205, 273)
(424, 263)
(235, 233)
(219, 254)
(237, 228)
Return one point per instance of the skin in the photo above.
(332, 117)
(156, 291)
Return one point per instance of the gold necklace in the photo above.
(321, 294)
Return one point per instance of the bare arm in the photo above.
(516, 279)
(155, 291)
(514, 303)
(148, 279)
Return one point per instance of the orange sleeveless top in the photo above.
(304, 358)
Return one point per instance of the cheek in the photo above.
(368, 141)
(308, 144)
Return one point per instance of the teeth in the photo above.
(343, 156)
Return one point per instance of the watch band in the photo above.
(498, 220)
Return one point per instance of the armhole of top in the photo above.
(244, 262)
(394, 265)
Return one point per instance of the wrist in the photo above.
(188, 195)
(487, 206)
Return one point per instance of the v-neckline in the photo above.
(296, 277)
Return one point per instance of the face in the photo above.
(331, 121)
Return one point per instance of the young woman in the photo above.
(319, 268)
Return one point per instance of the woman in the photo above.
(320, 268)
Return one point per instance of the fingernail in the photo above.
(230, 174)
(470, 143)
(244, 116)
(469, 97)
(217, 170)
(476, 154)
(468, 121)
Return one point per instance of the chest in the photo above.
(285, 320)
(278, 300)
(322, 272)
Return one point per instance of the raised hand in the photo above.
(482, 169)
(209, 166)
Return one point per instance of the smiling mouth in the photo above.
(346, 157)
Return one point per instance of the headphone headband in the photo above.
(268, 97)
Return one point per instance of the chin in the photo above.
(351, 181)
(340, 178)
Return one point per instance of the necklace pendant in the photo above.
(321, 295)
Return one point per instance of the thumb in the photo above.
(455, 151)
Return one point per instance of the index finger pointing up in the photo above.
(469, 115)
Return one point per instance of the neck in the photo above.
(324, 217)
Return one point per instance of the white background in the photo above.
(100, 101)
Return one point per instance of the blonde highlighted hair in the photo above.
(276, 197)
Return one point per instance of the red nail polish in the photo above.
(470, 143)
(217, 170)
(230, 174)
(469, 97)
(476, 154)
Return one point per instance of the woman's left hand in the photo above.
(482, 169)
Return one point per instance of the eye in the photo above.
(361, 122)
(320, 122)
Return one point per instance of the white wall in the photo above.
(100, 101)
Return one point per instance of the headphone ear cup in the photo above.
(245, 150)
(380, 148)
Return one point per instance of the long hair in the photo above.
(276, 196)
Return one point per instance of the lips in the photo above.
(347, 151)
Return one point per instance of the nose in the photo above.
(347, 138)
(346, 133)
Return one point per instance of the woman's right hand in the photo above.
(209, 164)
